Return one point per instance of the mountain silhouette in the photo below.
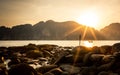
(112, 32)
(51, 30)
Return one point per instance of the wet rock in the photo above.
(14, 61)
(56, 71)
(15, 48)
(88, 70)
(88, 59)
(43, 59)
(47, 53)
(116, 55)
(3, 70)
(103, 73)
(34, 54)
(2, 59)
(106, 49)
(70, 68)
(22, 69)
(31, 47)
(69, 58)
(80, 49)
(48, 73)
(58, 57)
(65, 73)
(3, 51)
(47, 47)
(116, 47)
(107, 59)
(65, 59)
(107, 73)
(97, 59)
(91, 70)
(116, 65)
(45, 69)
(95, 50)
(107, 66)
(79, 53)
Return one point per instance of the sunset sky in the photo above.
(16, 12)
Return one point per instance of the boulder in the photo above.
(22, 69)
(70, 68)
(45, 69)
(116, 47)
(106, 49)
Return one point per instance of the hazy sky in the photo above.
(15, 12)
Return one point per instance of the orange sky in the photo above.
(15, 12)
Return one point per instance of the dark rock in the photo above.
(65, 73)
(107, 59)
(59, 56)
(70, 68)
(22, 69)
(34, 54)
(103, 73)
(48, 73)
(3, 70)
(14, 61)
(45, 69)
(106, 49)
(96, 50)
(47, 53)
(88, 59)
(88, 70)
(107, 66)
(116, 47)
(56, 71)
(79, 53)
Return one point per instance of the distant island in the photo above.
(51, 30)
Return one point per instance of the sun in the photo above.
(88, 18)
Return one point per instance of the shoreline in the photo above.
(56, 42)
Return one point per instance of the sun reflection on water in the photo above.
(88, 43)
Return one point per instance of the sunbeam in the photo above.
(94, 36)
(72, 31)
(84, 33)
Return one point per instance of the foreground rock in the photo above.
(57, 60)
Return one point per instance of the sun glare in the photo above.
(89, 19)
(88, 43)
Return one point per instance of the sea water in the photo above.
(57, 42)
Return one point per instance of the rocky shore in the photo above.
(48, 59)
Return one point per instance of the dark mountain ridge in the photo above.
(51, 30)
(112, 32)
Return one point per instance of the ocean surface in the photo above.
(58, 42)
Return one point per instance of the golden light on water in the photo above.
(88, 43)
